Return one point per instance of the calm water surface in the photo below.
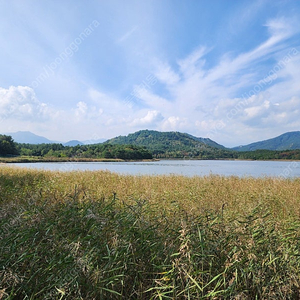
(287, 169)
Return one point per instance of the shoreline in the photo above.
(30, 159)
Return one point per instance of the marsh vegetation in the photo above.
(101, 235)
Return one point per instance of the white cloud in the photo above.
(228, 68)
(192, 63)
(166, 75)
(281, 27)
(193, 91)
(194, 86)
(206, 101)
(20, 102)
(106, 103)
(126, 35)
(257, 111)
(152, 100)
(151, 118)
(81, 109)
(175, 123)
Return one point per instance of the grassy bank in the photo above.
(33, 159)
(100, 235)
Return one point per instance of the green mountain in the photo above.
(286, 141)
(173, 144)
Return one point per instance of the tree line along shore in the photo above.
(19, 152)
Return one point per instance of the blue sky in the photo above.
(227, 70)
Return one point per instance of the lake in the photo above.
(284, 169)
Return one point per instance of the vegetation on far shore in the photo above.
(168, 146)
(34, 159)
(183, 145)
(58, 152)
(101, 235)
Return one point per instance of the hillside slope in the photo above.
(286, 141)
(171, 144)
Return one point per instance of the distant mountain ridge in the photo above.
(286, 141)
(94, 141)
(27, 137)
(170, 140)
(73, 143)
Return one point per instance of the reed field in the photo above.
(101, 235)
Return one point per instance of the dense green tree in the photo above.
(86, 151)
(7, 146)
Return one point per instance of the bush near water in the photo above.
(101, 235)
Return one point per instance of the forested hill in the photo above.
(286, 141)
(173, 144)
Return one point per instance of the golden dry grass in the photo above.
(148, 237)
(193, 194)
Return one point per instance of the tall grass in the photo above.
(100, 235)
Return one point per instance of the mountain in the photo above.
(207, 141)
(28, 137)
(172, 144)
(73, 143)
(286, 141)
(91, 142)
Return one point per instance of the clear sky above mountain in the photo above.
(227, 70)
